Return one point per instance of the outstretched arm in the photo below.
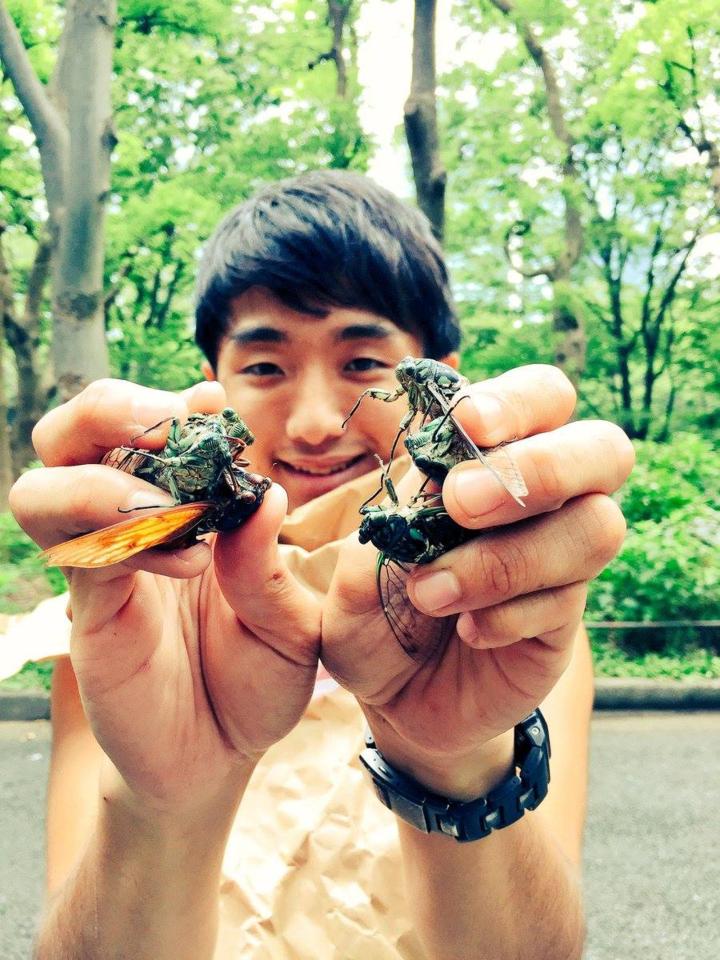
(446, 719)
(187, 673)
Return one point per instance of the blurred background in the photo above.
(567, 154)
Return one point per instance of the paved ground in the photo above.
(652, 874)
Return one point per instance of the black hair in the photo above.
(328, 239)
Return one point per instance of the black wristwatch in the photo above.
(470, 819)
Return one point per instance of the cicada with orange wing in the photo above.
(203, 468)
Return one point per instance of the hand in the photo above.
(519, 588)
(187, 670)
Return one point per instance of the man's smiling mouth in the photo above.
(318, 470)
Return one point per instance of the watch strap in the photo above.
(467, 820)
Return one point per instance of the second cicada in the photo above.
(202, 466)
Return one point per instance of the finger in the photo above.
(56, 503)
(584, 457)
(257, 584)
(518, 403)
(550, 615)
(113, 413)
(548, 551)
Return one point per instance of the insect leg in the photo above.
(154, 427)
(383, 395)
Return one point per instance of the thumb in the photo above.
(258, 585)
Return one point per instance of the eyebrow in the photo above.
(364, 331)
(356, 331)
(259, 335)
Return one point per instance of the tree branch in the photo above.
(420, 116)
(31, 93)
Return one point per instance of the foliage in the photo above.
(24, 578)
(667, 567)
(645, 286)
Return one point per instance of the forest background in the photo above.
(568, 157)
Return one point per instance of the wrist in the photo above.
(475, 817)
(459, 775)
(202, 819)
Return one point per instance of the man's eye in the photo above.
(361, 364)
(262, 370)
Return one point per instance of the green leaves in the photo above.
(667, 567)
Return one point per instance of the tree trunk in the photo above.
(79, 345)
(421, 129)
(568, 321)
(6, 468)
(71, 121)
(35, 382)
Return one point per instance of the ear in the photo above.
(452, 360)
(207, 371)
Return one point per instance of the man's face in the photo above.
(294, 378)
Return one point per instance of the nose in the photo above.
(317, 414)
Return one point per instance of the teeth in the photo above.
(323, 473)
(326, 473)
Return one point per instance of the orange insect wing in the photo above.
(122, 540)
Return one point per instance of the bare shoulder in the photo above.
(568, 709)
(74, 774)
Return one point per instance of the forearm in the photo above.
(146, 887)
(513, 895)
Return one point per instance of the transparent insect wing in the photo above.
(420, 636)
(116, 543)
(442, 443)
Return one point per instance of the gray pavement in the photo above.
(651, 861)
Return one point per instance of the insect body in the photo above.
(411, 534)
(414, 533)
(202, 467)
(433, 389)
(197, 456)
(438, 446)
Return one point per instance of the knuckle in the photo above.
(502, 567)
(88, 402)
(497, 624)
(556, 383)
(550, 480)
(606, 528)
(615, 451)
(40, 435)
(20, 498)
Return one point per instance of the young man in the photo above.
(188, 667)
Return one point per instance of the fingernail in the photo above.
(435, 591)
(477, 491)
(493, 418)
(152, 409)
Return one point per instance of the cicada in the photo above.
(438, 446)
(202, 467)
(433, 389)
(418, 532)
